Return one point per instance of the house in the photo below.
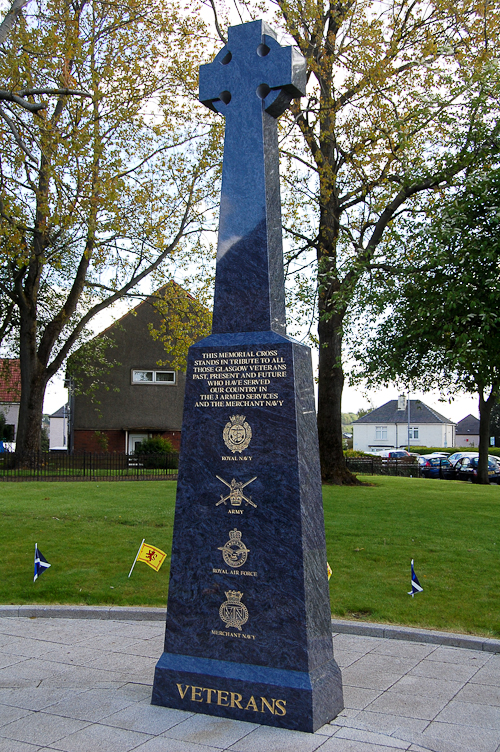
(392, 424)
(58, 430)
(10, 395)
(467, 433)
(139, 398)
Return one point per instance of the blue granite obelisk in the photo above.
(248, 621)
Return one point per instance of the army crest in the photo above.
(232, 612)
(236, 495)
(234, 552)
(237, 433)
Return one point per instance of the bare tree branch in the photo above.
(11, 17)
(17, 137)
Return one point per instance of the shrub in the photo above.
(157, 453)
(156, 445)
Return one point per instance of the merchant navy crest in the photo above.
(236, 495)
(234, 552)
(237, 433)
(233, 612)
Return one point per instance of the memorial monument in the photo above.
(248, 631)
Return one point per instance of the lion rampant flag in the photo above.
(150, 555)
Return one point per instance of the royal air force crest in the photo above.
(237, 433)
(232, 612)
(234, 552)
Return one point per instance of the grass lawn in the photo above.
(90, 533)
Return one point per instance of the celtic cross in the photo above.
(251, 82)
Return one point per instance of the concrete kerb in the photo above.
(339, 626)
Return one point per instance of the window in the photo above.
(381, 432)
(413, 432)
(153, 377)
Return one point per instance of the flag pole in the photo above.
(139, 551)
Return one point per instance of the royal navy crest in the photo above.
(237, 433)
(234, 552)
(232, 612)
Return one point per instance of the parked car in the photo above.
(458, 456)
(466, 469)
(395, 454)
(435, 467)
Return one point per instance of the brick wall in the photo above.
(86, 441)
(174, 437)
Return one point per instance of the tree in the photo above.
(184, 320)
(98, 191)
(400, 101)
(442, 329)
(495, 423)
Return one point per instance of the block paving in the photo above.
(84, 685)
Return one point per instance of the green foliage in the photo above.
(495, 424)
(157, 452)
(91, 364)
(112, 181)
(45, 442)
(443, 325)
(185, 320)
(348, 418)
(155, 445)
(6, 430)
(102, 440)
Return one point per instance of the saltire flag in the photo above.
(416, 587)
(150, 555)
(41, 563)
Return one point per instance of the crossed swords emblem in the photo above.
(235, 495)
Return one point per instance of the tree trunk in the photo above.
(485, 406)
(33, 384)
(331, 383)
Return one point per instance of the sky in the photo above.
(353, 398)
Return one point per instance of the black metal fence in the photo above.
(88, 466)
(405, 467)
(91, 466)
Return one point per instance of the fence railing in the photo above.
(92, 466)
(88, 466)
(405, 467)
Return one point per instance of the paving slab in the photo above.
(216, 732)
(9, 745)
(97, 738)
(85, 686)
(40, 728)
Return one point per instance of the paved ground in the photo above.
(84, 686)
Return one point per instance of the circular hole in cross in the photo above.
(225, 96)
(263, 50)
(227, 58)
(263, 90)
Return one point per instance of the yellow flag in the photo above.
(152, 556)
(329, 570)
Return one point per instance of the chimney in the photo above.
(402, 402)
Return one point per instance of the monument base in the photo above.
(288, 699)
